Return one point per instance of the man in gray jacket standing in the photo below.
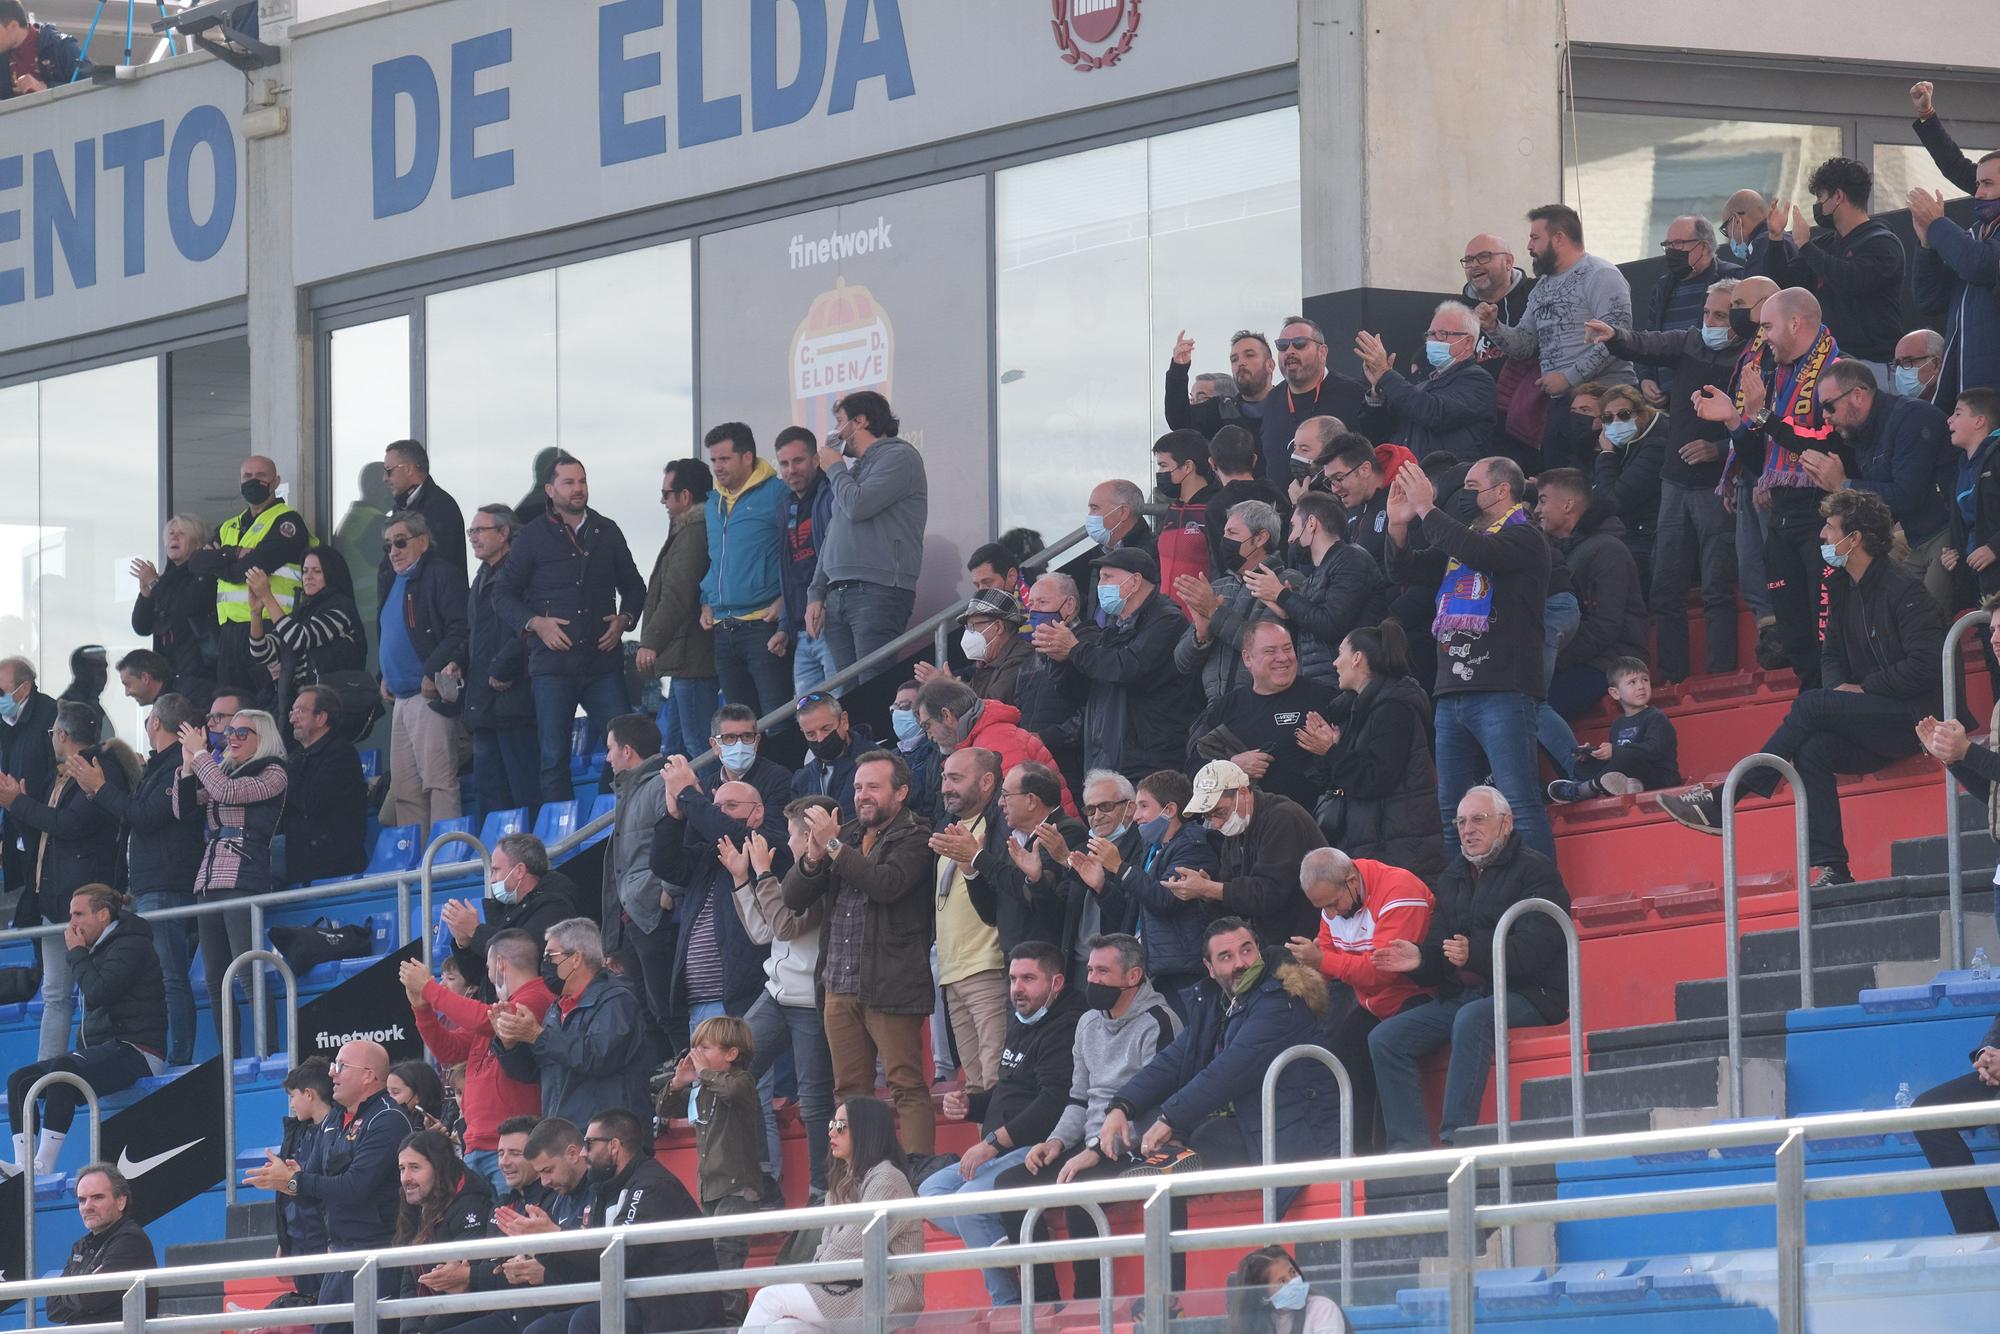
(866, 585)
(635, 899)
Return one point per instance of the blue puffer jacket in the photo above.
(1218, 1063)
(58, 59)
(1960, 271)
(744, 547)
(1171, 927)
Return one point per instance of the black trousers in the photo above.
(1798, 592)
(1081, 1224)
(1829, 733)
(1970, 1210)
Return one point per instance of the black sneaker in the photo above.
(1822, 876)
(1572, 789)
(1771, 648)
(1172, 1160)
(1698, 808)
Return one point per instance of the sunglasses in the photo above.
(838, 1123)
(397, 543)
(813, 697)
(238, 733)
(1103, 807)
(1617, 415)
(1289, 344)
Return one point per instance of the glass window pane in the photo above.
(209, 398)
(1636, 174)
(490, 372)
(1075, 405)
(1901, 168)
(20, 516)
(625, 389)
(91, 516)
(369, 396)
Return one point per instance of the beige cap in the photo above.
(1216, 777)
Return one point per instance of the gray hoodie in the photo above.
(1108, 1053)
(1551, 328)
(880, 505)
(629, 882)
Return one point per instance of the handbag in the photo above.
(307, 947)
(1331, 813)
(360, 700)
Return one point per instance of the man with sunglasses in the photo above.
(1250, 366)
(1898, 444)
(1452, 411)
(1309, 391)
(423, 633)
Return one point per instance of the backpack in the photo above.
(307, 947)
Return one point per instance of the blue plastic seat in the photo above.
(1683, 1277)
(397, 848)
(556, 819)
(1601, 1283)
(499, 824)
(1857, 1263)
(603, 805)
(371, 764)
(1515, 1289)
(460, 824)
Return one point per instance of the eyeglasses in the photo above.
(1683, 246)
(1103, 807)
(1621, 415)
(1336, 478)
(1472, 821)
(557, 956)
(838, 1123)
(483, 528)
(1005, 795)
(1301, 344)
(1911, 363)
(1446, 335)
(335, 1067)
(1829, 404)
(238, 733)
(1483, 257)
(589, 1140)
(724, 738)
(396, 542)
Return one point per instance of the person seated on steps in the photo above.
(1642, 751)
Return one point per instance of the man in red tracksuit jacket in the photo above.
(1363, 905)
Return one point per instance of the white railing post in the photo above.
(1159, 1255)
(30, 1119)
(611, 1288)
(1504, 1094)
(875, 1274)
(1954, 855)
(133, 1309)
(228, 1027)
(1791, 1184)
(428, 869)
(1732, 976)
(1462, 1242)
(1104, 1275)
(1314, 1052)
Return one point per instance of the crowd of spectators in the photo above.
(1264, 770)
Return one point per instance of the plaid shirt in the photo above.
(842, 940)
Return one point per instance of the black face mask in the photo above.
(1821, 218)
(1742, 325)
(1298, 555)
(255, 492)
(1163, 484)
(829, 748)
(1300, 468)
(1101, 995)
(551, 974)
(1679, 265)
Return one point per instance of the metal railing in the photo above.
(1105, 1285)
(229, 1051)
(1504, 1121)
(1954, 855)
(1461, 1221)
(1311, 1051)
(30, 1115)
(424, 878)
(1732, 976)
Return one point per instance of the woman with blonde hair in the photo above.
(175, 606)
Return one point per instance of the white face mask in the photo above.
(973, 644)
(1234, 825)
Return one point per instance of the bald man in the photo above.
(1743, 232)
(718, 969)
(1782, 386)
(1739, 492)
(356, 1183)
(269, 535)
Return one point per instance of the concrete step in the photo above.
(1907, 936)
(1685, 1040)
(1669, 1096)
(222, 1251)
(1769, 993)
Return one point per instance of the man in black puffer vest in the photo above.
(110, 954)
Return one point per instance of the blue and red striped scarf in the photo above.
(1796, 387)
(1465, 598)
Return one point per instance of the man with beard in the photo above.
(872, 878)
(717, 969)
(443, 1201)
(1250, 367)
(1310, 391)
(970, 966)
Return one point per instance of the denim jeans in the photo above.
(747, 671)
(556, 699)
(1826, 734)
(978, 1230)
(1695, 533)
(58, 996)
(1400, 1041)
(486, 1162)
(504, 763)
(1750, 525)
(694, 699)
(1482, 732)
(173, 941)
(812, 662)
(776, 1029)
(1560, 617)
(862, 617)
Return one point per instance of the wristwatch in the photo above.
(833, 847)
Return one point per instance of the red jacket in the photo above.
(1395, 905)
(490, 1096)
(999, 730)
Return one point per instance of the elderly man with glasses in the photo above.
(1452, 411)
(1692, 269)
(589, 1049)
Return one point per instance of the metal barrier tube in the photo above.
(1313, 1052)
(1732, 974)
(1462, 1242)
(940, 647)
(1503, 1092)
(1104, 1294)
(260, 1027)
(30, 1115)
(611, 1288)
(875, 1274)
(1954, 855)
(427, 871)
(228, 1026)
(1791, 1238)
(133, 1307)
(402, 913)
(1157, 1213)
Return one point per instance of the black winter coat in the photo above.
(1259, 871)
(356, 1180)
(326, 811)
(1984, 530)
(1904, 448)
(1694, 366)
(468, 1217)
(446, 523)
(1136, 705)
(835, 780)
(180, 620)
(1885, 635)
(684, 857)
(162, 850)
(1344, 592)
(646, 1192)
(1019, 908)
(554, 900)
(1605, 579)
(434, 614)
(1470, 902)
(1172, 927)
(581, 575)
(122, 1248)
(1382, 776)
(1627, 479)
(1858, 279)
(495, 651)
(124, 999)
(589, 1059)
(1507, 655)
(26, 753)
(1452, 412)
(79, 840)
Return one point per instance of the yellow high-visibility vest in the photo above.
(232, 601)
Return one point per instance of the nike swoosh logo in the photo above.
(139, 1168)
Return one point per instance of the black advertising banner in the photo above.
(371, 1006)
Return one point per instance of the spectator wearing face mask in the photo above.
(1451, 411)
(1897, 443)
(588, 1049)
(1693, 266)
(833, 741)
(994, 647)
(1853, 263)
(1221, 611)
(1919, 358)
(526, 894)
(718, 969)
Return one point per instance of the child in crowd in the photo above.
(1268, 1295)
(715, 1082)
(1643, 753)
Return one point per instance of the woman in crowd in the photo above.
(1379, 780)
(1631, 448)
(176, 607)
(1268, 1295)
(868, 1167)
(241, 798)
(417, 1089)
(319, 636)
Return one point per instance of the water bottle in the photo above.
(1903, 1095)
(1982, 970)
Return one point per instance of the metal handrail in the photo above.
(1104, 1275)
(1732, 976)
(1954, 856)
(1156, 1246)
(228, 1026)
(1505, 1120)
(425, 874)
(30, 1114)
(1310, 1051)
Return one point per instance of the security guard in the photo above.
(270, 535)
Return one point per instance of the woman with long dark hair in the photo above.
(320, 635)
(867, 1165)
(1379, 780)
(1267, 1295)
(441, 1202)
(418, 1090)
